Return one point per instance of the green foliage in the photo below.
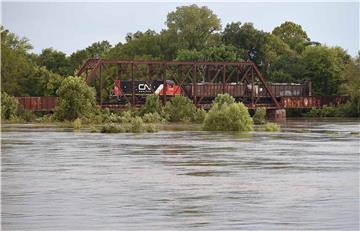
(93, 129)
(324, 66)
(47, 118)
(152, 104)
(274, 49)
(55, 61)
(139, 44)
(43, 82)
(135, 125)
(189, 55)
(193, 26)
(95, 50)
(259, 116)
(15, 64)
(199, 115)
(327, 111)
(179, 108)
(192, 33)
(115, 128)
(76, 100)
(226, 115)
(20, 76)
(292, 34)
(151, 128)
(152, 118)
(351, 87)
(223, 99)
(271, 127)
(126, 116)
(24, 115)
(245, 38)
(77, 124)
(8, 106)
(215, 53)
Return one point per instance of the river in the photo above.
(305, 177)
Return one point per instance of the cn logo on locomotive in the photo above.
(144, 87)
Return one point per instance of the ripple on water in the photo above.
(305, 177)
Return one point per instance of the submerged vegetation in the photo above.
(82, 112)
(8, 106)
(259, 116)
(350, 108)
(179, 108)
(226, 115)
(271, 127)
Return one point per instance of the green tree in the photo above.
(95, 50)
(55, 61)
(76, 100)
(189, 55)
(324, 67)
(43, 82)
(77, 58)
(351, 86)
(193, 26)
(140, 44)
(246, 38)
(293, 35)
(98, 49)
(215, 53)
(15, 63)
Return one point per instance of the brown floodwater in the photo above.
(305, 177)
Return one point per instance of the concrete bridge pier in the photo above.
(278, 115)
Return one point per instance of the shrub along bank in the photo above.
(226, 115)
(77, 108)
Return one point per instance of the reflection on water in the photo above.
(306, 177)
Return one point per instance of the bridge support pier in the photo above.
(278, 115)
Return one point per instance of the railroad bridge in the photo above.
(199, 81)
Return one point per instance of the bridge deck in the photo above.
(48, 103)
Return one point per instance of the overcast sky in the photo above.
(71, 26)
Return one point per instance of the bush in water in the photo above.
(179, 108)
(152, 105)
(199, 115)
(152, 118)
(259, 116)
(8, 106)
(271, 127)
(222, 99)
(77, 124)
(76, 100)
(135, 125)
(225, 115)
(328, 111)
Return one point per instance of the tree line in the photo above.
(192, 33)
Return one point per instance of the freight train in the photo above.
(125, 89)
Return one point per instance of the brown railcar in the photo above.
(242, 90)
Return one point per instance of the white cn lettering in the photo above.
(144, 87)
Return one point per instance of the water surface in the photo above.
(306, 177)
